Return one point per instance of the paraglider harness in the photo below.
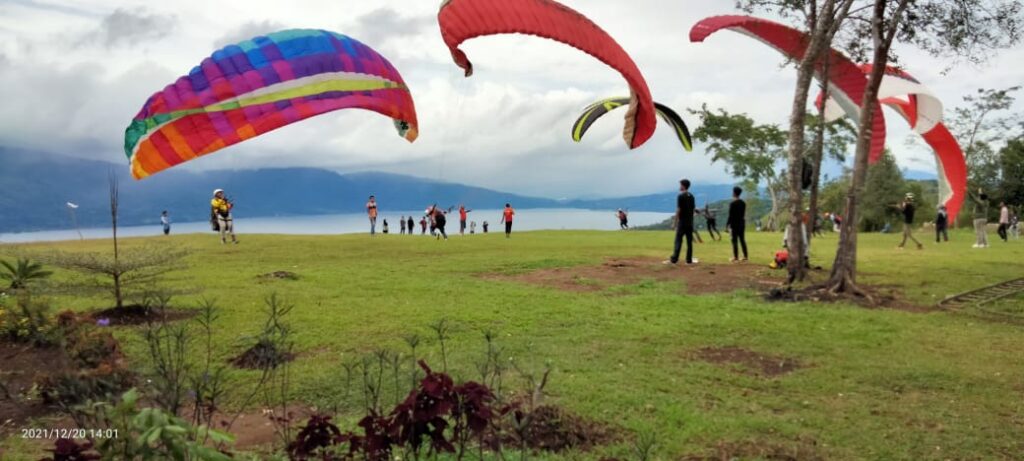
(214, 222)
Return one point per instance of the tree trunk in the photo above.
(770, 225)
(844, 269)
(818, 151)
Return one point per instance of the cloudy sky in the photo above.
(73, 74)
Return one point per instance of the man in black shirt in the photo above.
(685, 205)
(907, 207)
(942, 224)
(736, 224)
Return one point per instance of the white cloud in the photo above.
(507, 127)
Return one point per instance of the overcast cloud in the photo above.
(74, 73)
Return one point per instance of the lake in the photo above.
(526, 220)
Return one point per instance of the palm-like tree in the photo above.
(21, 274)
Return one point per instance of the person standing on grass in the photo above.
(220, 208)
(463, 215)
(371, 212)
(401, 223)
(472, 227)
(712, 223)
(736, 224)
(942, 224)
(1004, 221)
(506, 217)
(410, 225)
(385, 225)
(486, 225)
(423, 225)
(683, 224)
(623, 219)
(908, 209)
(165, 221)
(980, 219)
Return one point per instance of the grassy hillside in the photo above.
(871, 383)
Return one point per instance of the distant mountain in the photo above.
(36, 186)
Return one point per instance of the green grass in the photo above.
(878, 383)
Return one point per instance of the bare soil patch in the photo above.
(698, 279)
(260, 356)
(21, 366)
(279, 275)
(880, 297)
(747, 361)
(555, 429)
(140, 315)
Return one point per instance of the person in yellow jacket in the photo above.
(220, 211)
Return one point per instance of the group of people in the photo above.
(437, 219)
(683, 223)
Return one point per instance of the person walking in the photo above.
(942, 225)
(908, 209)
(401, 224)
(712, 223)
(980, 219)
(506, 217)
(165, 221)
(736, 224)
(410, 224)
(623, 219)
(371, 212)
(463, 216)
(683, 224)
(221, 212)
(1004, 221)
(423, 225)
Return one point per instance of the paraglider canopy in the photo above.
(259, 85)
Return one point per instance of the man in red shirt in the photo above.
(463, 215)
(506, 217)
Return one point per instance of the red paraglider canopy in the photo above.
(461, 20)
(847, 82)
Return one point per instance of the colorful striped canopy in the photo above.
(259, 85)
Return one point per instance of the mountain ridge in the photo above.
(37, 185)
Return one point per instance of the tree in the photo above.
(831, 140)
(822, 22)
(884, 187)
(750, 151)
(983, 128)
(965, 29)
(1011, 159)
(23, 272)
(122, 270)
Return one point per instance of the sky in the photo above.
(74, 73)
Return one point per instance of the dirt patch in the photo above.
(260, 356)
(747, 361)
(22, 367)
(139, 315)
(879, 297)
(802, 450)
(699, 279)
(279, 275)
(554, 429)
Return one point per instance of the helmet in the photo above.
(217, 191)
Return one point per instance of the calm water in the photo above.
(526, 220)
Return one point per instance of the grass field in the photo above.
(873, 383)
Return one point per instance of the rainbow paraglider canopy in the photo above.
(250, 88)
